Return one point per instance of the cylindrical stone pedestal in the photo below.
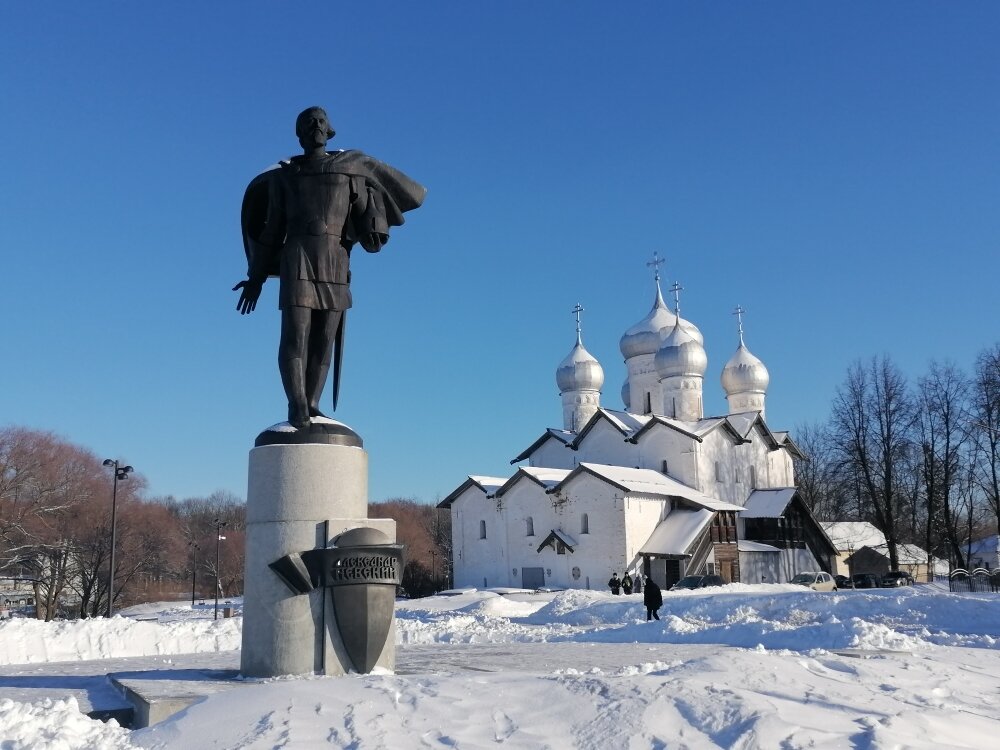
(293, 490)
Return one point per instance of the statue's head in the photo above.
(313, 127)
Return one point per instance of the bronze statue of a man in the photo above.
(300, 220)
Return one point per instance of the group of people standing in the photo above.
(652, 597)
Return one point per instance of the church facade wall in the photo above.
(604, 444)
(554, 455)
(661, 444)
(601, 551)
(477, 560)
(781, 469)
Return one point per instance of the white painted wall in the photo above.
(643, 382)
(553, 454)
(659, 443)
(604, 444)
(476, 559)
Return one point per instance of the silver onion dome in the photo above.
(744, 373)
(579, 371)
(680, 354)
(646, 336)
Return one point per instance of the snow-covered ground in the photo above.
(772, 666)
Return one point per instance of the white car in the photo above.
(816, 581)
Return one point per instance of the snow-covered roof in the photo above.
(906, 554)
(744, 421)
(746, 546)
(676, 533)
(649, 482)
(626, 421)
(545, 477)
(856, 534)
(768, 503)
(696, 430)
(785, 440)
(489, 485)
(563, 436)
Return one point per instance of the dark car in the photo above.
(698, 582)
(843, 582)
(865, 581)
(896, 578)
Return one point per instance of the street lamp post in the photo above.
(218, 544)
(120, 472)
(194, 569)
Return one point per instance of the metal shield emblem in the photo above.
(364, 614)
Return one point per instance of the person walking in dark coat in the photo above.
(637, 583)
(653, 599)
(615, 584)
(627, 584)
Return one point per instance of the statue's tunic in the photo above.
(316, 210)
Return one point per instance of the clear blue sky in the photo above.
(832, 167)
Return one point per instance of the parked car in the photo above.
(843, 582)
(865, 581)
(817, 581)
(697, 582)
(896, 578)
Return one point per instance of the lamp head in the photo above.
(108, 462)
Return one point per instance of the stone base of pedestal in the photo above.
(299, 497)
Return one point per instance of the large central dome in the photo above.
(646, 336)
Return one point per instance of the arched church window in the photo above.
(718, 471)
(585, 524)
(753, 477)
(529, 524)
(482, 529)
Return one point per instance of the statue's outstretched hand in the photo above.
(249, 295)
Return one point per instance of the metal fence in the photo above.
(977, 580)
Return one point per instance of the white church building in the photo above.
(657, 488)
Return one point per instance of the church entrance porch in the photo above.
(665, 572)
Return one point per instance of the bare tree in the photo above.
(196, 518)
(818, 476)
(942, 403)
(985, 427)
(871, 426)
(419, 527)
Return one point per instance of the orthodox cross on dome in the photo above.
(576, 311)
(676, 290)
(738, 312)
(655, 264)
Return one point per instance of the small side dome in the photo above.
(646, 336)
(744, 373)
(681, 354)
(626, 395)
(579, 371)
